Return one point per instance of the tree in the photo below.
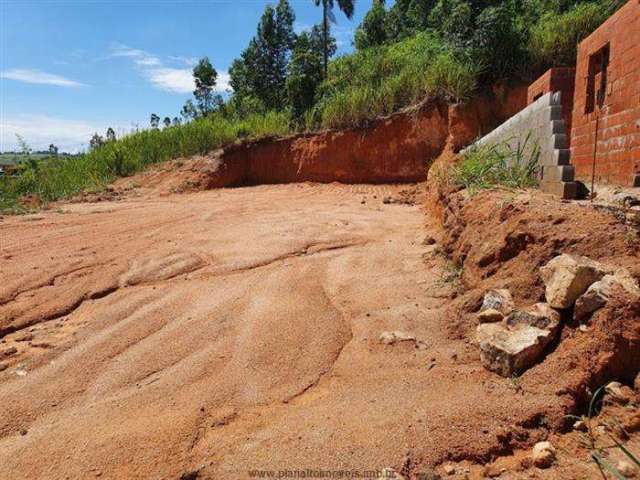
(205, 77)
(154, 121)
(166, 122)
(304, 75)
(176, 121)
(25, 149)
(111, 135)
(372, 31)
(96, 142)
(53, 150)
(347, 7)
(261, 70)
(189, 111)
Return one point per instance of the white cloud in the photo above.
(172, 79)
(39, 131)
(163, 77)
(36, 76)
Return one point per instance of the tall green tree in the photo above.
(154, 120)
(261, 70)
(205, 77)
(373, 29)
(189, 111)
(347, 7)
(110, 135)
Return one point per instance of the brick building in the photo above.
(606, 104)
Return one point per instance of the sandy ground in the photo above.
(209, 334)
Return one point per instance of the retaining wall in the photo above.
(540, 126)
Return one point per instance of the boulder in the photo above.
(566, 277)
(540, 315)
(602, 291)
(543, 454)
(498, 299)
(514, 345)
(490, 315)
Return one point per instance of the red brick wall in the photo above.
(618, 145)
(560, 79)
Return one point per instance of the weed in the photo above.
(598, 449)
(490, 166)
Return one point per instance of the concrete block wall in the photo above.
(541, 125)
(557, 79)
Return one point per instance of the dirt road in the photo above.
(225, 331)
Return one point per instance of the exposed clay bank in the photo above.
(394, 149)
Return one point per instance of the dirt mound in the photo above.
(500, 239)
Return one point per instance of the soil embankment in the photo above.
(394, 149)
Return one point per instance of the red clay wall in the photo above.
(395, 149)
(618, 145)
(560, 79)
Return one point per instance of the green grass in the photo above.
(555, 37)
(382, 80)
(491, 166)
(63, 177)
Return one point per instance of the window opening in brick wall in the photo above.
(597, 79)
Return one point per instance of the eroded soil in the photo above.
(208, 334)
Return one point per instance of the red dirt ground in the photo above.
(208, 334)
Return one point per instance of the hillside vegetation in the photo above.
(409, 52)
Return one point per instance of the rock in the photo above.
(602, 291)
(543, 454)
(490, 315)
(498, 299)
(619, 393)
(493, 471)
(626, 199)
(540, 315)
(3, 366)
(566, 277)
(389, 338)
(7, 352)
(580, 426)
(632, 424)
(626, 469)
(449, 469)
(511, 347)
(636, 385)
(428, 240)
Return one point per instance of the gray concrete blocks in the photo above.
(541, 126)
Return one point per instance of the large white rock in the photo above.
(602, 291)
(514, 345)
(566, 277)
(498, 299)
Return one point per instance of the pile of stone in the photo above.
(512, 340)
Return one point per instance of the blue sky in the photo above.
(72, 67)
